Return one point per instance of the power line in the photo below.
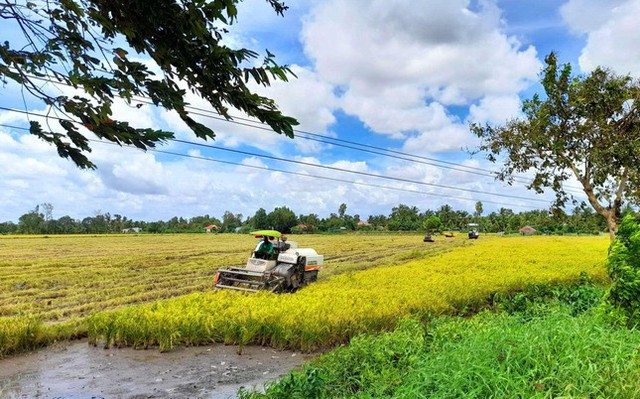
(338, 142)
(262, 127)
(400, 179)
(292, 172)
(376, 150)
(397, 179)
(348, 144)
(310, 175)
(375, 175)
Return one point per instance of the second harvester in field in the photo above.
(276, 265)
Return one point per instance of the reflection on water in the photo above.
(80, 371)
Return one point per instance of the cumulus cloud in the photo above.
(445, 138)
(398, 66)
(136, 174)
(495, 109)
(140, 185)
(401, 63)
(307, 98)
(612, 33)
(584, 16)
(440, 46)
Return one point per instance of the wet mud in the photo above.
(80, 371)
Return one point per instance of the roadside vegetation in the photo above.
(569, 341)
(545, 343)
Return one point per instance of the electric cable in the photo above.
(368, 174)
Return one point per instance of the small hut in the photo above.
(210, 228)
(527, 231)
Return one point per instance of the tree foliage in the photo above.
(585, 127)
(283, 219)
(32, 222)
(404, 218)
(230, 221)
(260, 220)
(582, 220)
(478, 209)
(624, 269)
(77, 43)
(432, 224)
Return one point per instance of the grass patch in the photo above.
(553, 348)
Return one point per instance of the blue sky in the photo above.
(402, 75)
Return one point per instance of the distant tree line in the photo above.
(581, 220)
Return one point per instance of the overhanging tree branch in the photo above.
(182, 37)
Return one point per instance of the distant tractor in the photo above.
(473, 231)
(428, 238)
(275, 265)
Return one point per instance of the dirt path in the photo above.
(78, 370)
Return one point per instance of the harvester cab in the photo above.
(473, 231)
(275, 265)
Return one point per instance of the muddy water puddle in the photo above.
(80, 371)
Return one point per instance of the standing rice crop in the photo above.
(331, 312)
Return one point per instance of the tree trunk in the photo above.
(610, 214)
(612, 223)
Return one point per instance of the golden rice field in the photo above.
(331, 311)
(49, 285)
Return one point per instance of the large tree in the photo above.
(32, 222)
(404, 217)
(86, 43)
(283, 219)
(260, 220)
(585, 128)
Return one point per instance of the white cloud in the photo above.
(451, 137)
(584, 16)
(612, 31)
(431, 44)
(307, 98)
(495, 109)
(396, 65)
(140, 186)
(137, 173)
(400, 63)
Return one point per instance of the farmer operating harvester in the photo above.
(275, 265)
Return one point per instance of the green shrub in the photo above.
(376, 365)
(624, 270)
(539, 297)
(491, 355)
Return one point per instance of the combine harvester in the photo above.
(474, 232)
(276, 265)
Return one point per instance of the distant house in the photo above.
(527, 231)
(211, 228)
(302, 229)
(362, 223)
(132, 230)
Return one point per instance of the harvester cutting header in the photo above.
(276, 265)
